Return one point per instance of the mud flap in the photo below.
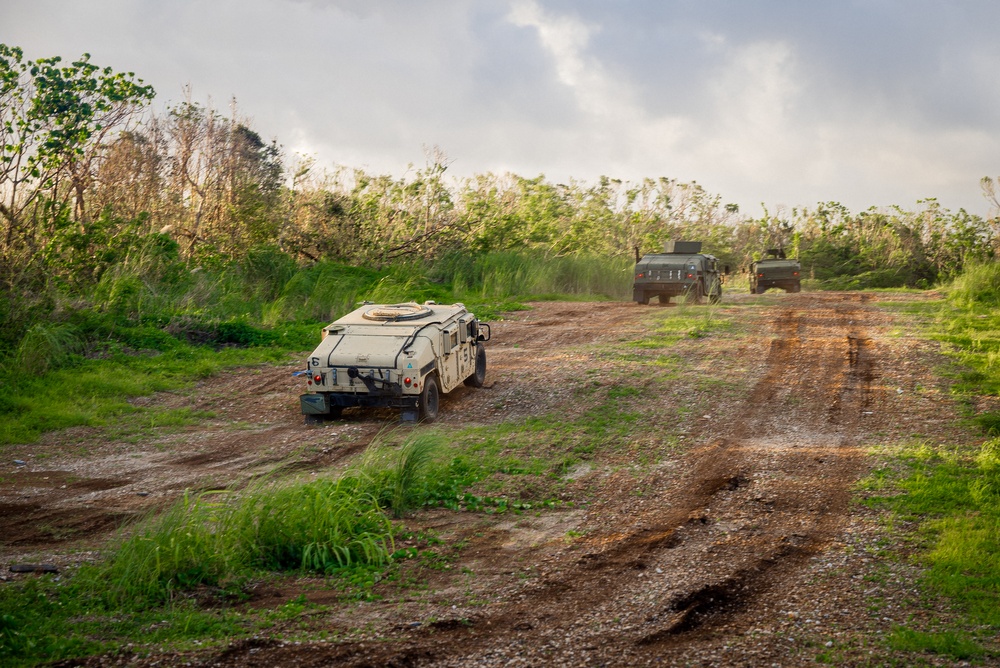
(315, 404)
(410, 413)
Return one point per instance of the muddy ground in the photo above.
(735, 537)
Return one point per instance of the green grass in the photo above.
(172, 580)
(952, 493)
(946, 643)
(95, 392)
(670, 325)
(956, 501)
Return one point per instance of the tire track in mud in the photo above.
(792, 460)
(780, 475)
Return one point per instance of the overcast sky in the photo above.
(777, 102)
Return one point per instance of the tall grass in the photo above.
(504, 275)
(216, 539)
(399, 477)
(43, 347)
(977, 286)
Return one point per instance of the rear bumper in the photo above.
(320, 403)
(783, 283)
(668, 289)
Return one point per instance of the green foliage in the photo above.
(54, 120)
(401, 478)
(977, 286)
(51, 619)
(890, 248)
(970, 326)
(503, 275)
(44, 347)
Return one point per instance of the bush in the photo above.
(978, 284)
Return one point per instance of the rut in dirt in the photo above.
(794, 448)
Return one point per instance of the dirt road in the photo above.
(734, 543)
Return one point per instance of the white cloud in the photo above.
(861, 103)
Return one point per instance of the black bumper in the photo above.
(668, 289)
(320, 403)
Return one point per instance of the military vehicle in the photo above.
(775, 271)
(396, 355)
(680, 270)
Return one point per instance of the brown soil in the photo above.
(734, 543)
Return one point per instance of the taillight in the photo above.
(407, 381)
(795, 273)
(690, 275)
(318, 378)
(639, 275)
(760, 275)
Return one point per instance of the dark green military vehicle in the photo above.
(775, 271)
(681, 270)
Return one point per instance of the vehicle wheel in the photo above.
(662, 300)
(643, 298)
(761, 289)
(694, 294)
(796, 288)
(478, 376)
(429, 400)
(715, 297)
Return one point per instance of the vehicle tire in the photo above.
(643, 298)
(429, 397)
(478, 376)
(694, 294)
(796, 288)
(715, 297)
(662, 300)
(761, 289)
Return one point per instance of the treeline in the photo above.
(92, 183)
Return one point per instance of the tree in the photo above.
(56, 122)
